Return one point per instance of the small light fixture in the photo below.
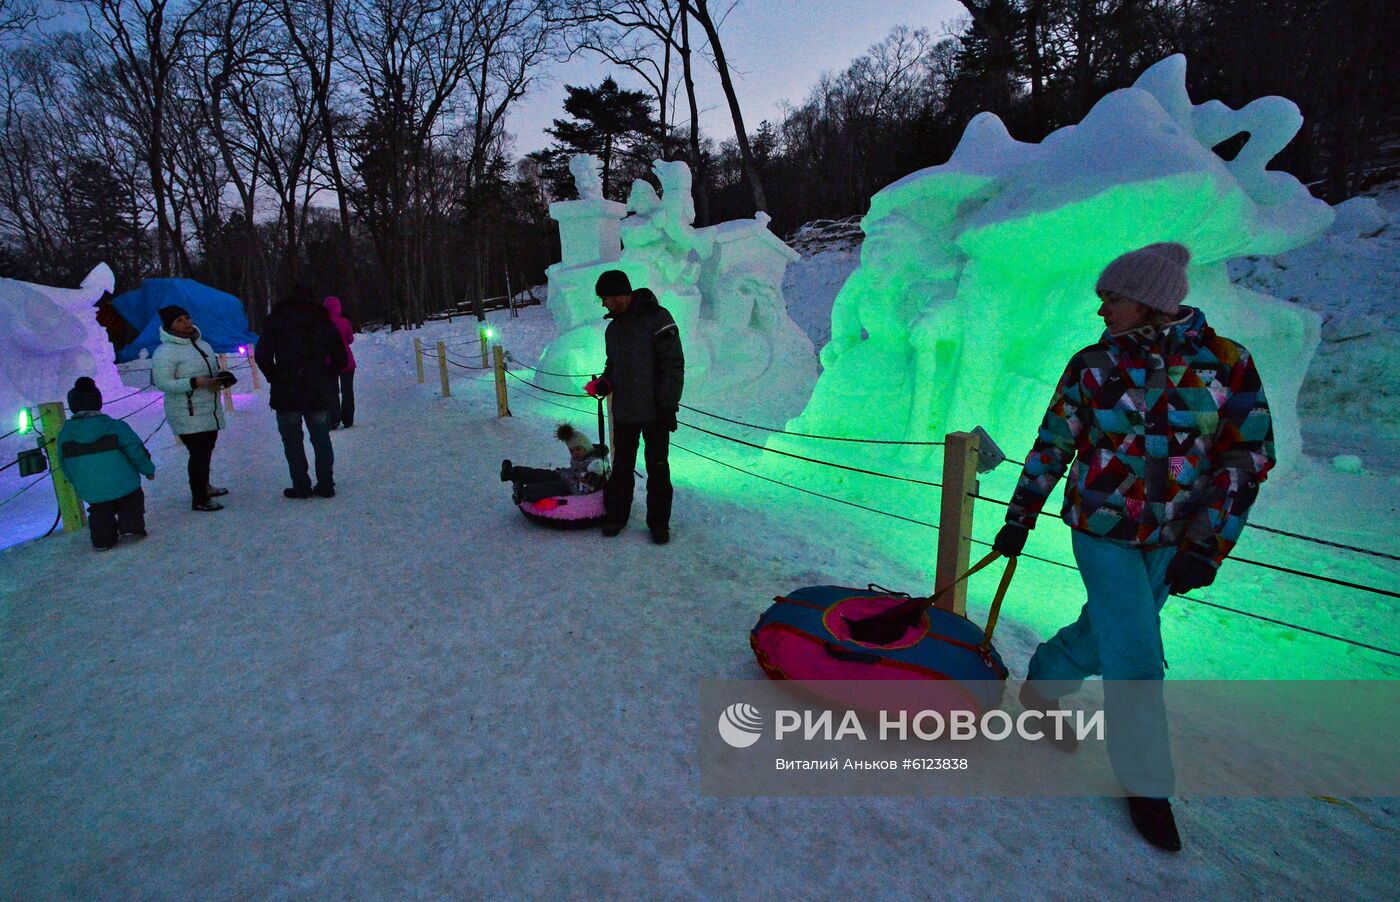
(25, 422)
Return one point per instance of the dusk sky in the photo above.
(777, 49)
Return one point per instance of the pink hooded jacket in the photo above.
(347, 332)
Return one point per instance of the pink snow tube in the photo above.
(941, 663)
(566, 511)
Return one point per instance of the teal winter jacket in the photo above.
(102, 457)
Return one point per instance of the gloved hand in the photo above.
(668, 420)
(1011, 540)
(1189, 570)
(598, 388)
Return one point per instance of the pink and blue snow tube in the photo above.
(566, 511)
(804, 636)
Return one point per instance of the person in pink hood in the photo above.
(343, 407)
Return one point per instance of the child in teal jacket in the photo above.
(104, 460)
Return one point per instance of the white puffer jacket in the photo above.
(177, 362)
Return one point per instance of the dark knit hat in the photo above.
(1154, 276)
(84, 395)
(573, 438)
(169, 314)
(612, 283)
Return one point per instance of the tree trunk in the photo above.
(700, 183)
(702, 15)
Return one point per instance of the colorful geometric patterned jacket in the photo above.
(1169, 435)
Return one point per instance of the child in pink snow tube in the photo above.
(565, 496)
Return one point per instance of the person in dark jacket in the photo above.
(104, 461)
(645, 374)
(1166, 434)
(302, 355)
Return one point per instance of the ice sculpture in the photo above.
(722, 283)
(49, 336)
(976, 281)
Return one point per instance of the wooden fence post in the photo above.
(442, 370)
(253, 370)
(502, 407)
(418, 357)
(955, 517)
(70, 506)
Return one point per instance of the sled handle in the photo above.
(872, 627)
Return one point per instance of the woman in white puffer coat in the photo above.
(185, 368)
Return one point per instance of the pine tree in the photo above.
(614, 124)
(101, 222)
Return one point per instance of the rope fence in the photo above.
(538, 392)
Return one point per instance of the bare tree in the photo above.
(17, 15)
(145, 39)
(640, 35)
(700, 9)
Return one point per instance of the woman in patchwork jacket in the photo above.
(1166, 434)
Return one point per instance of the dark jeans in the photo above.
(125, 515)
(343, 407)
(532, 483)
(318, 424)
(201, 448)
(622, 482)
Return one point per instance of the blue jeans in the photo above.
(1118, 634)
(318, 424)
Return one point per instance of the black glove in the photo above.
(1011, 540)
(667, 420)
(1189, 570)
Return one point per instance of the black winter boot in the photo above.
(505, 470)
(1033, 701)
(1155, 822)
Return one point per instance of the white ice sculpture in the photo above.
(49, 337)
(976, 281)
(587, 172)
(722, 283)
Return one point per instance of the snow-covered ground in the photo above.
(410, 691)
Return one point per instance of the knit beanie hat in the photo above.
(1154, 276)
(573, 438)
(169, 314)
(612, 283)
(84, 395)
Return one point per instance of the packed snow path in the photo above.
(410, 691)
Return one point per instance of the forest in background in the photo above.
(363, 147)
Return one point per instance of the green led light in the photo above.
(24, 421)
(489, 333)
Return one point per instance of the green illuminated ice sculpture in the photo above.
(976, 280)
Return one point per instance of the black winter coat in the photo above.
(646, 367)
(301, 354)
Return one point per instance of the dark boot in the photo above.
(1033, 701)
(660, 536)
(611, 529)
(1155, 822)
(505, 470)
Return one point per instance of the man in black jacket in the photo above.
(645, 374)
(301, 353)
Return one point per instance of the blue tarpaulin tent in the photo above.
(218, 314)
